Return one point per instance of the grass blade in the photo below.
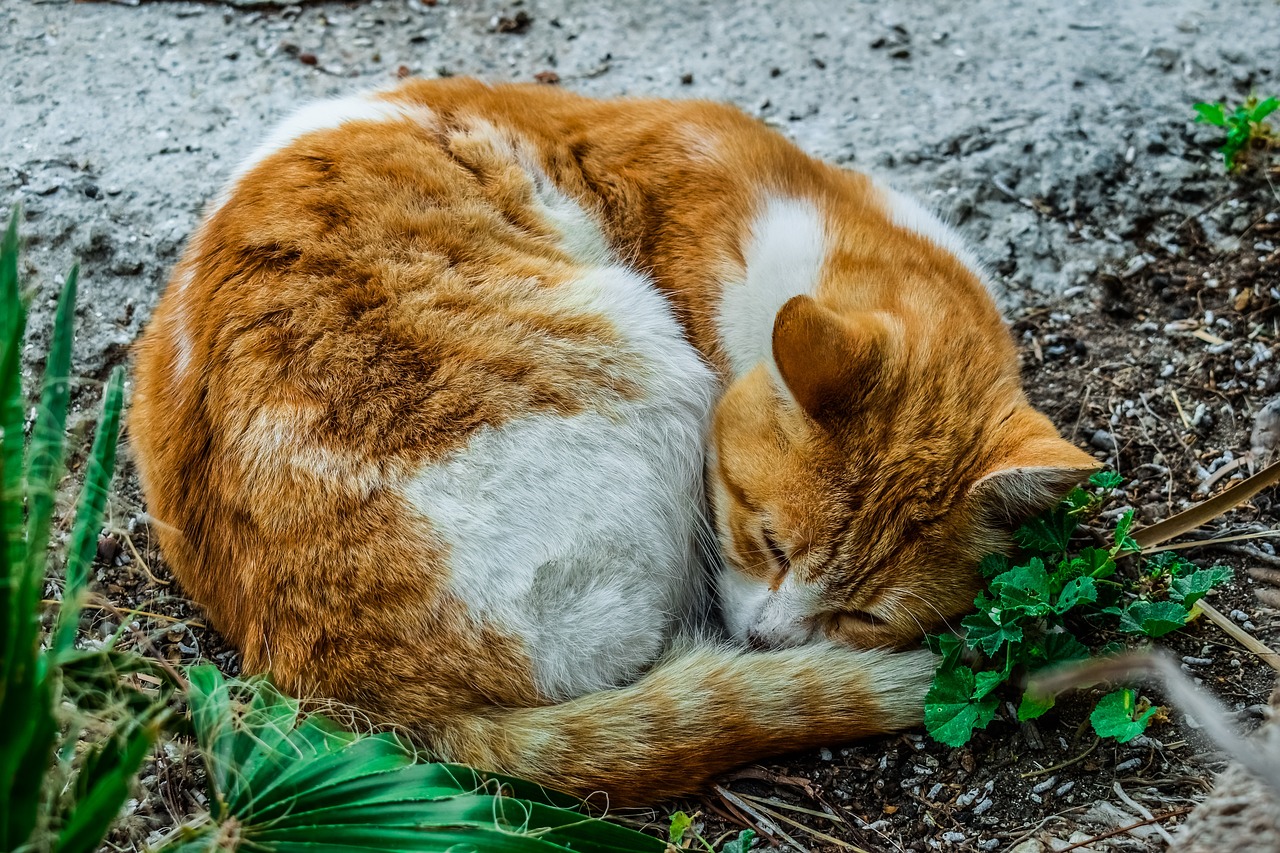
(93, 502)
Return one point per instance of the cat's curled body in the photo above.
(423, 415)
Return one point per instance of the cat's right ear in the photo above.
(829, 364)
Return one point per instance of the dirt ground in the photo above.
(1142, 284)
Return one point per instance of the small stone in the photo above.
(1103, 440)
(308, 59)
(825, 754)
(686, 79)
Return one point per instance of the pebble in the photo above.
(984, 806)
(1128, 765)
(1194, 661)
(1239, 616)
(1045, 785)
(1028, 846)
(953, 837)
(1064, 788)
(1103, 440)
(825, 754)
(967, 799)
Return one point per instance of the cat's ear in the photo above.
(828, 363)
(1033, 474)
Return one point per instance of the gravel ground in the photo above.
(1056, 136)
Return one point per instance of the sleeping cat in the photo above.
(424, 416)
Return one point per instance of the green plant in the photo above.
(1245, 126)
(71, 808)
(283, 780)
(1026, 618)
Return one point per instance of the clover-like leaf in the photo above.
(951, 713)
(1077, 591)
(1188, 589)
(1049, 533)
(1108, 480)
(987, 633)
(1119, 716)
(1153, 618)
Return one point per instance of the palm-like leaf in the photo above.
(283, 781)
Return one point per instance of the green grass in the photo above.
(1246, 127)
(1037, 607)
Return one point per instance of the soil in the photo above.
(1142, 283)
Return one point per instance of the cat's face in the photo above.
(858, 479)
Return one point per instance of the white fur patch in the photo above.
(783, 259)
(578, 534)
(179, 321)
(909, 214)
(775, 618)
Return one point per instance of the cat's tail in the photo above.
(699, 713)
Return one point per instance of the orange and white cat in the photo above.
(430, 414)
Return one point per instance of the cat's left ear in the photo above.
(1033, 475)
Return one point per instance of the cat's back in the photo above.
(398, 396)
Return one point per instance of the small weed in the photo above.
(1025, 616)
(1246, 127)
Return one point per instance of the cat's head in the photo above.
(859, 476)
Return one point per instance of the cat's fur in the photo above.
(423, 415)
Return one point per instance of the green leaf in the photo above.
(102, 786)
(1079, 501)
(1153, 618)
(1077, 591)
(1024, 589)
(1214, 114)
(950, 712)
(680, 824)
(1032, 706)
(93, 501)
(992, 565)
(1264, 109)
(1049, 533)
(987, 635)
(44, 458)
(1109, 480)
(1117, 716)
(1124, 542)
(1054, 648)
(288, 783)
(741, 844)
(1188, 589)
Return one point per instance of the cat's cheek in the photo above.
(742, 599)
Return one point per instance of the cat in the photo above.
(454, 380)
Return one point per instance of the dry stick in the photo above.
(1202, 513)
(1122, 829)
(193, 623)
(1259, 649)
(733, 814)
(1140, 809)
(1218, 540)
(821, 836)
(1067, 763)
(764, 821)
